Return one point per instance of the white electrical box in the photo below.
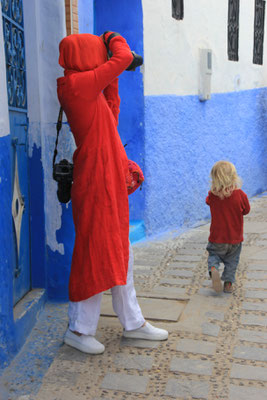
(205, 72)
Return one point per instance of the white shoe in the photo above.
(85, 343)
(148, 332)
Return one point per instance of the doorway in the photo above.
(13, 32)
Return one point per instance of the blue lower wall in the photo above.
(37, 221)
(14, 333)
(58, 265)
(185, 137)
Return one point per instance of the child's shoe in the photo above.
(148, 332)
(216, 280)
(228, 287)
(85, 343)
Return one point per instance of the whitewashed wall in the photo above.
(184, 137)
(171, 47)
(44, 23)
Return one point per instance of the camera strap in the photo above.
(59, 126)
(111, 36)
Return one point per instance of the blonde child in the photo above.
(228, 203)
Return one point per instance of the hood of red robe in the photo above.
(81, 52)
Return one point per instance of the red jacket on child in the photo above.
(227, 217)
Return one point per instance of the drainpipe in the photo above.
(71, 18)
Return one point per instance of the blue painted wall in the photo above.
(126, 17)
(13, 333)
(86, 16)
(50, 269)
(7, 346)
(185, 137)
(59, 265)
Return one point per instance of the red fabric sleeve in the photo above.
(120, 60)
(208, 199)
(93, 82)
(245, 204)
(111, 93)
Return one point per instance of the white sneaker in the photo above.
(148, 332)
(85, 343)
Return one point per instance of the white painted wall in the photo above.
(171, 47)
(44, 24)
(4, 117)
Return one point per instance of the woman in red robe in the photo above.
(88, 93)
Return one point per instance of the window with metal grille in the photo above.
(233, 29)
(178, 9)
(258, 31)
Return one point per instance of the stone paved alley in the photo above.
(217, 347)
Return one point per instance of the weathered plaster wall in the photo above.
(184, 137)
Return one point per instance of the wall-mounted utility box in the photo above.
(205, 72)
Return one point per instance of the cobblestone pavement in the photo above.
(217, 347)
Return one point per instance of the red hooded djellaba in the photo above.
(88, 93)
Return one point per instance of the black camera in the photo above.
(63, 175)
(137, 60)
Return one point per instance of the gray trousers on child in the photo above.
(225, 253)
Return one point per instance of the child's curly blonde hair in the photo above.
(224, 179)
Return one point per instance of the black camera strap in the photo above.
(59, 126)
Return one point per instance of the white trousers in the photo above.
(84, 315)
